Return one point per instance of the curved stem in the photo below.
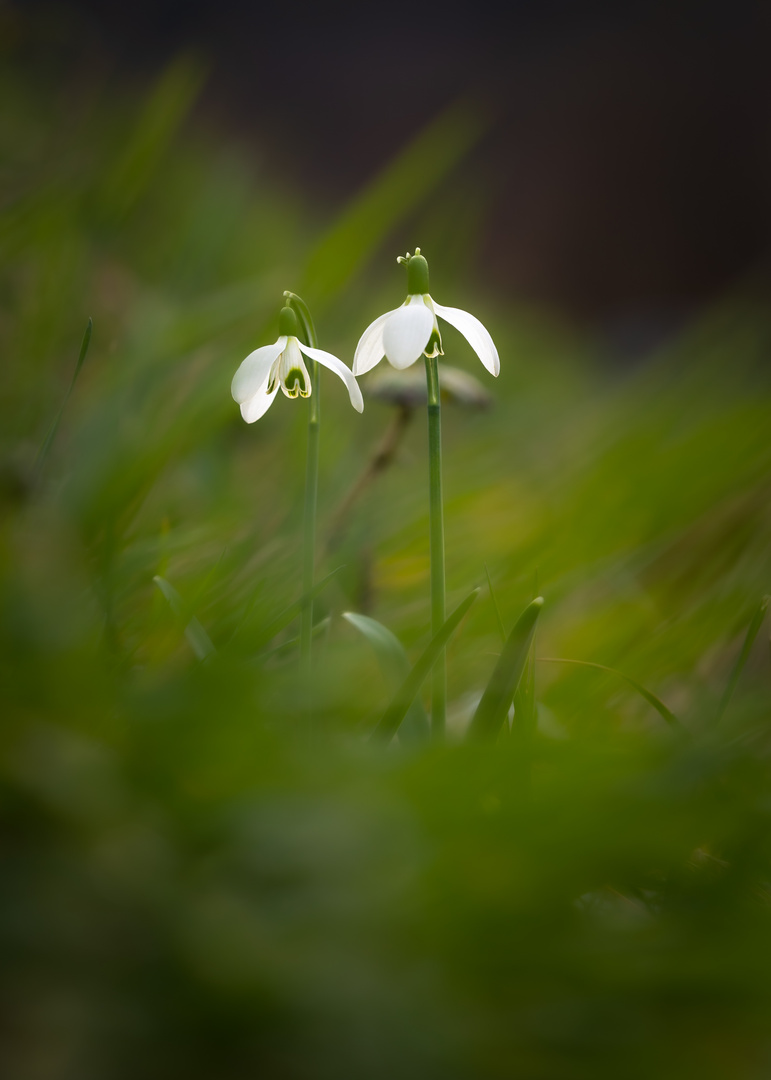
(436, 532)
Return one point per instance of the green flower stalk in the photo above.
(403, 336)
(281, 366)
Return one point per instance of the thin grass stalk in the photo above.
(436, 533)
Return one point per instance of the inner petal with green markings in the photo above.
(290, 372)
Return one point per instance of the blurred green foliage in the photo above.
(191, 889)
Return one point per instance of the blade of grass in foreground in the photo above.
(199, 640)
(498, 695)
(295, 609)
(51, 435)
(650, 697)
(397, 710)
(752, 632)
(291, 643)
(395, 664)
(524, 695)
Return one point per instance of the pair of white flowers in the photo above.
(402, 336)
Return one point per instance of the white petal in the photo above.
(258, 404)
(474, 333)
(253, 372)
(370, 349)
(407, 332)
(327, 360)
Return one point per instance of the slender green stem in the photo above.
(309, 516)
(436, 512)
(311, 480)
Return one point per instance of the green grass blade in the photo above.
(650, 697)
(752, 632)
(524, 698)
(285, 646)
(525, 715)
(144, 149)
(51, 435)
(499, 620)
(198, 639)
(498, 695)
(395, 664)
(405, 695)
(295, 609)
(394, 194)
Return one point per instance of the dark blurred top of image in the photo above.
(625, 178)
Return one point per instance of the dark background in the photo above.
(626, 175)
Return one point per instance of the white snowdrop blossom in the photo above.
(411, 331)
(281, 366)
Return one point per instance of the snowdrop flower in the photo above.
(281, 365)
(411, 331)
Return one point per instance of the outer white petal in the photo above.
(257, 405)
(327, 360)
(370, 349)
(475, 334)
(407, 332)
(253, 372)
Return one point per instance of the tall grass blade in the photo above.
(498, 695)
(165, 110)
(395, 665)
(525, 715)
(752, 632)
(51, 434)
(524, 698)
(650, 697)
(198, 639)
(394, 194)
(496, 609)
(405, 695)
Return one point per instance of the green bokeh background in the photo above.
(191, 888)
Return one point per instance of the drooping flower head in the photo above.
(412, 331)
(281, 366)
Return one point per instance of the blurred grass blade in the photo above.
(318, 629)
(405, 695)
(650, 697)
(525, 714)
(47, 442)
(164, 111)
(499, 693)
(199, 640)
(295, 609)
(396, 667)
(524, 698)
(496, 609)
(394, 194)
(752, 632)
(524, 695)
